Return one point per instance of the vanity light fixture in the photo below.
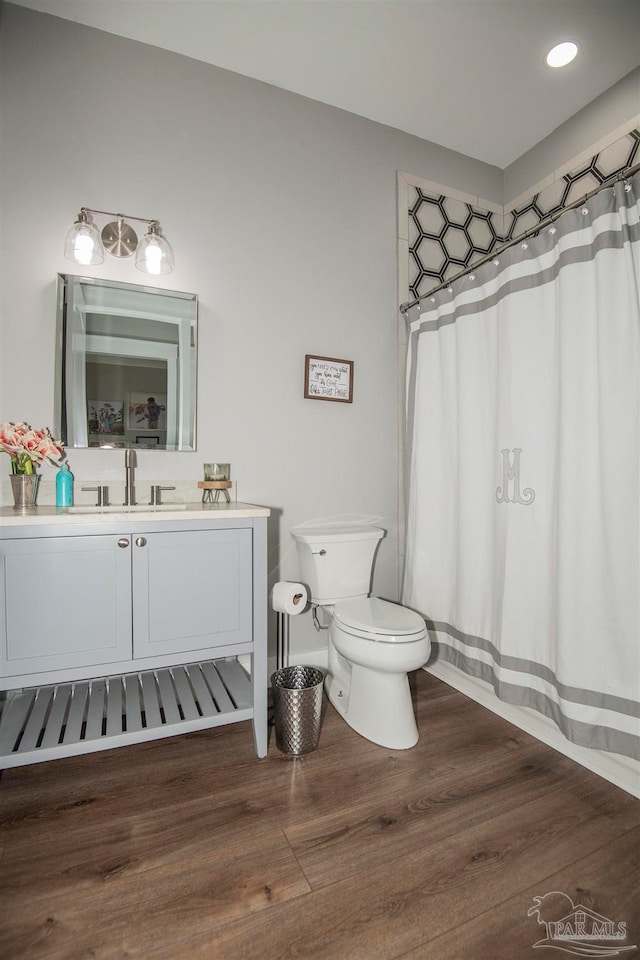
(562, 54)
(85, 245)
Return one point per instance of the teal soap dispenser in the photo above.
(64, 487)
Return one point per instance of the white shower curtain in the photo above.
(523, 520)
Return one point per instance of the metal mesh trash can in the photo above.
(297, 708)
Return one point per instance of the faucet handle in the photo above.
(103, 494)
(156, 494)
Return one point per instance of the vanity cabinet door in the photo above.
(192, 591)
(67, 603)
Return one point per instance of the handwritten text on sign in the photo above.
(328, 379)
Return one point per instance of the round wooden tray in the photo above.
(214, 484)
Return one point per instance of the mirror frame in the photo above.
(64, 414)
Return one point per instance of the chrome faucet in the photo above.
(130, 463)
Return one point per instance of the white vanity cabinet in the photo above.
(67, 604)
(124, 628)
(192, 591)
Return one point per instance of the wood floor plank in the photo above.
(169, 768)
(357, 838)
(384, 912)
(180, 873)
(161, 838)
(607, 881)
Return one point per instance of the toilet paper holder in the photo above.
(282, 640)
(286, 598)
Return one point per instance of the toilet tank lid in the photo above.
(379, 616)
(355, 531)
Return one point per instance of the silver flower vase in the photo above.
(25, 490)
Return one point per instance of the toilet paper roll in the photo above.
(289, 597)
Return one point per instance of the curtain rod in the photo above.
(547, 221)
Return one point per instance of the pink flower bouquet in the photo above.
(27, 448)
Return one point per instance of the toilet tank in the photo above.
(336, 562)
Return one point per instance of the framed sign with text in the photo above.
(326, 378)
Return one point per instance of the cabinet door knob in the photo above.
(141, 542)
(123, 542)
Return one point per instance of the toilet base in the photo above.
(378, 706)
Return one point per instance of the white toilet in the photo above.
(372, 643)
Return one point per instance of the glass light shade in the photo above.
(83, 244)
(154, 254)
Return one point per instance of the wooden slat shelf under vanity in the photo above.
(48, 722)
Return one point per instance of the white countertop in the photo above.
(190, 511)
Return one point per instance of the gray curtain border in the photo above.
(595, 736)
(590, 698)
(582, 734)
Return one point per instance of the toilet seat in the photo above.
(379, 620)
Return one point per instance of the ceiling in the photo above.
(466, 74)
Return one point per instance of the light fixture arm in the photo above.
(119, 216)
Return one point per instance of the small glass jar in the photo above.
(217, 472)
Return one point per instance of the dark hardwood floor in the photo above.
(193, 848)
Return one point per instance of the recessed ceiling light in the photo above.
(562, 54)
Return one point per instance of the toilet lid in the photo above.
(390, 621)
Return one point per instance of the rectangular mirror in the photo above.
(125, 365)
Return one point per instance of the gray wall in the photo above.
(282, 215)
(615, 111)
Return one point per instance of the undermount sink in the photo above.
(123, 508)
